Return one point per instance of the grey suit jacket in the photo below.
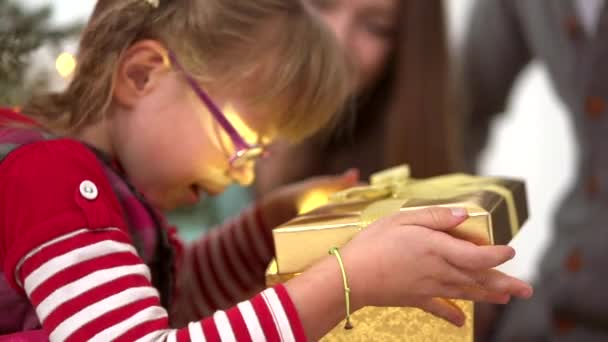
(571, 299)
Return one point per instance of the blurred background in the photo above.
(515, 149)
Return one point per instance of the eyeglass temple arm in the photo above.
(215, 111)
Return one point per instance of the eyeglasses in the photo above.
(245, 153)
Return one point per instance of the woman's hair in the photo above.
(221, 41)
(415, 94)
(407, 116)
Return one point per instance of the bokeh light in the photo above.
(65, 64)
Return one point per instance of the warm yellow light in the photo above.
(65, 64)
(244, 130)
(313, 200)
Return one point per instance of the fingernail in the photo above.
(352, 175)
(459, 212)
(526, 293)
(512, 253)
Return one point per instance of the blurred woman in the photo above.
(402, 110)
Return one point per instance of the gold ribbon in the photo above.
(393, 183)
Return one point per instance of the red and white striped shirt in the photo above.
(86, 281)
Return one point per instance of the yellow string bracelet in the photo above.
(335, 252)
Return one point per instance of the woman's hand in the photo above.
(407, 259)
(282, 204)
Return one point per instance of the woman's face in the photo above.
(366, 29)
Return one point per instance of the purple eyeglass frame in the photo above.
(245, 152)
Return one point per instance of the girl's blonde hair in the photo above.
(216, 41)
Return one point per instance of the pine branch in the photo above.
(23, 31)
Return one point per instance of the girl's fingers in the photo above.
(496, 281)
(472, 293)
(444, 309)
(466, 255)
(437, 218)
(447, 273)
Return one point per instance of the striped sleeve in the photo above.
(225, 267)
(91, 285)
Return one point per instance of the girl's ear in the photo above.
(140, 70)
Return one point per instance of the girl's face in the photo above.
(173, 149)
(366, 29)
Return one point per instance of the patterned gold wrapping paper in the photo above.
(497, 209)
(393, 324)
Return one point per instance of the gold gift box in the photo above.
(497, 209)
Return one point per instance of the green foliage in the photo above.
(23, 31)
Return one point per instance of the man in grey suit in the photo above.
(571, 38)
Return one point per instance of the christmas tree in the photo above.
(22, 31)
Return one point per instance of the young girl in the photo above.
(173, 100)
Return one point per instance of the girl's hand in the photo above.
(407, 259)
(281, 205)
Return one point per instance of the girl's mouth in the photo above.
(196, 192)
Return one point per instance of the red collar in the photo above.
(8, 114)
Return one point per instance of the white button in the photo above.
(88, 190)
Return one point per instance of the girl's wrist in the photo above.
(318, 295)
